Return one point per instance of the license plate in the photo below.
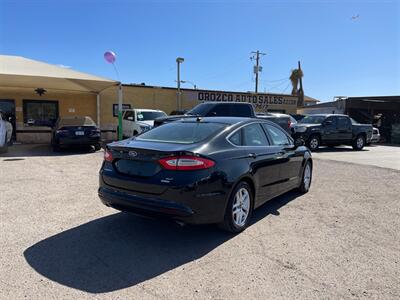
(79, 133)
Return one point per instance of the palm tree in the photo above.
(295, 78)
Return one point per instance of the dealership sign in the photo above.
(260, 101)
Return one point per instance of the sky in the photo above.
(346, 48)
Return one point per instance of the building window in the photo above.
(40, 112)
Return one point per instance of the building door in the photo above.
(8, 107)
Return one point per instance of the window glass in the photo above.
(236, 138)
(240, 110)
(333, 120)
(277, 135)
(129, 114)
(253, 135)
(220, 110)
(40, 113)
(343, 122)
(311, 119)
(149, 115)
(182, 132)
(76, 121)
(200, 109)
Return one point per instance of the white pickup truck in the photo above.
(135, 121)
(6, 131)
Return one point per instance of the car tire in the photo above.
(239, 209)
(97, 147)
(313, 142)
(359, 143)
(306, 178)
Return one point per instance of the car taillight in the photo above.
(185, 163)
(108, 155)
(289, 123)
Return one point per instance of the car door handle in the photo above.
(252, 155)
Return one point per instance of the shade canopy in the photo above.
(17, 71)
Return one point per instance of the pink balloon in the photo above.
(110, 57)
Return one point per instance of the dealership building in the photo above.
(34, 94)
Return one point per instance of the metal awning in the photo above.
(17, 71)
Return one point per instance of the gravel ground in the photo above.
(341, 240)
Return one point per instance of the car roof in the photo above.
(141, 109)
(225, 120)
(327, 115)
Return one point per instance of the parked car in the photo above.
(297, 117)
(287, 122)
(6, 131)
(376, 136)
(135, 121)
(332, 130)
(213, 109)
(75, 131)
(204, 170)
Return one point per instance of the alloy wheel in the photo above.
(307, 177)
(241, 207)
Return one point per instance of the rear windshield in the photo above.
(149, 115)
(182, 132)
(312, 120)
(76, 121)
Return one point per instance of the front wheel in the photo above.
(359, 143)
(306, 178)
(239, 209)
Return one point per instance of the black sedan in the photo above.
(204, 170)
(75, 131)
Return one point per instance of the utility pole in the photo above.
(179, 60)
(257, 67)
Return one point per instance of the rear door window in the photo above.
(278, 136)
(343, 123)
(254, 135)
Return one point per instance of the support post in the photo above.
(120, 112)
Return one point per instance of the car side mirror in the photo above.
(299, 142)
(130, 118)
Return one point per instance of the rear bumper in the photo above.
(196, 204)
(141, 205)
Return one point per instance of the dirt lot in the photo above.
(341, 240)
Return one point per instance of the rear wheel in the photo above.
(239, 209)
(359, 143)
(306, 178)
(313, 142)
(97, 147)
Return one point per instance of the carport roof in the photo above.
(17, 71)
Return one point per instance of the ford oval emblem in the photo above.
(132, 153)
